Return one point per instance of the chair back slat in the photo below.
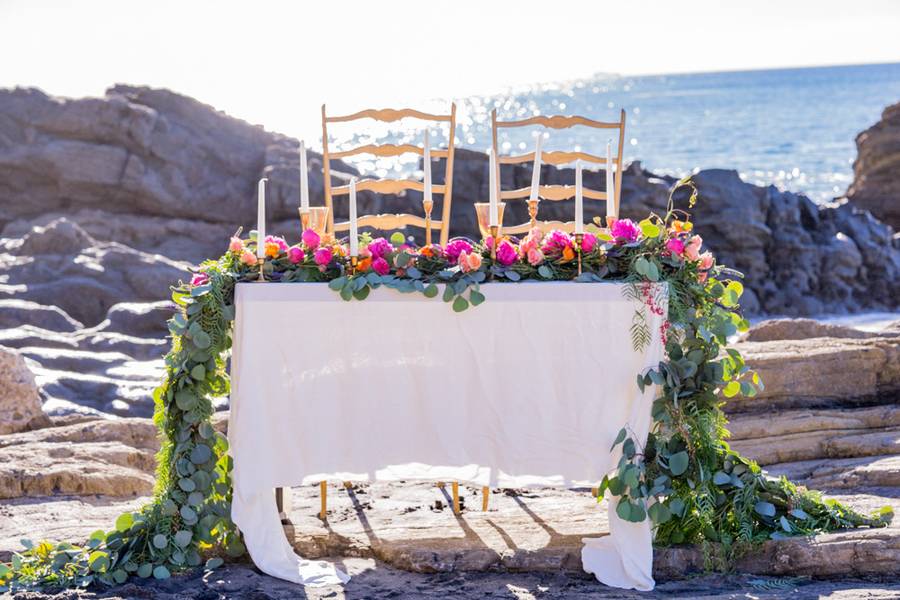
(556, 158)
(392, 186)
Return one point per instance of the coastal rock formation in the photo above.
(20, 402)
(876, 171)
(163, 174)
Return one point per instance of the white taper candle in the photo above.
(426, 165)
(304, 179)
(536, 170)
(354, 231)
(492, 183)
(579, 200)
(610, 187)
(261, 218)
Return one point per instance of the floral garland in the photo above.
(686, 479)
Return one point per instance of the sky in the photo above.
(275, 62)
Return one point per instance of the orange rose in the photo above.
(427, 251)
(364, 264)
(568, 253)
(681, 226)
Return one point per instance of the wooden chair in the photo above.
(556, 192)
(392, 186)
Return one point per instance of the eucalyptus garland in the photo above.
(686, 478)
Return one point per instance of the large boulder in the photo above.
(876, 171)
(20, 402)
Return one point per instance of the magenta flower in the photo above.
(295, 254)
(323, 256)
(625, 230)
(199, 279)
(454, 248)
(506, 253)
(675, 246)
(381, 266)
(557, 241)
(380, 247)
(311, 239)
(588, 242)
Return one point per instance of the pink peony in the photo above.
(381, 266)
(248, 257)
(454, 248)
(692, 249)
(199, 279)
(675, 246)
(295, 254)
(236, 244)
(469, 262)
(380, 247)
(506, 253)
(530, 241)
(535, 257)
(557, 241)
(625, 230)
(706, 261)
(323, 256)
(588, 242)
(311, 239)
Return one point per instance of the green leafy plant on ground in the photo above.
(685, 479)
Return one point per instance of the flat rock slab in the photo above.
(373, 580)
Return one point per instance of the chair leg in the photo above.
(485, 494)
(323, 494)
(440, 485)
(455, 497)
(348, 485)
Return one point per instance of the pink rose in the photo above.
(199, 279)
(692, 249)
(675, 246)
(469, 262)
(311, 239)
(295, 254)
(588, 242)
(381, 266)
(706, 261)
(248, 257)
(625, 230)
(454, 248)
(236, 244)
(380, 247)
(535, 257)
(506, 253)
(323, 256)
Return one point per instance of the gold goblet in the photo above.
(316, 218)
(483, 212)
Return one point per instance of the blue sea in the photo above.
(791, 127)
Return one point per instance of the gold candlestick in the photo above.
(532, 212)
(495, 230)
(427, 205)
(579, 237)
(354, 261)
(262, 277)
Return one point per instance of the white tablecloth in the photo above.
(528, 389)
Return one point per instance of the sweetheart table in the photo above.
(528, 389)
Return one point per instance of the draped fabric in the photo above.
(528, 389)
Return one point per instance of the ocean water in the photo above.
(791, 127)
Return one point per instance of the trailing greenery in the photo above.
(686, 479)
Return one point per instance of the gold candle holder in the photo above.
(315, 218)
(495, 236)
(261, 262)
(532, 212)
(483, 214)
(579, 238)
(354, 262)
(427, 205)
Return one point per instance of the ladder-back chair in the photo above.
(556, 192)
(392, 186)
